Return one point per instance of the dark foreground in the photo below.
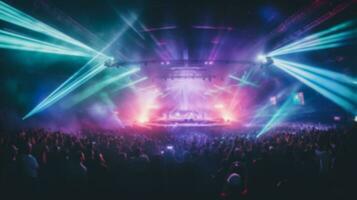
(288, 163)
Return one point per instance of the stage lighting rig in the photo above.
(182, 63)
(262, 58)
(265, 61)
(269, 61)
(109, 62)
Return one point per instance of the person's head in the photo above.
(13, 152)
(27, 148)
(236, 166)
(122, 156)
(101, 158)
(234, 185)
(234, 180)
(80, 157)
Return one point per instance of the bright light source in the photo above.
(219, 106)
(143, 119)
(356, 118)
(278, 117)
(154, 106)
(227, 117)
(333, 37)
(273, 100)
(243, 81)
(16, 41)
(98, 87)
(262, 58)
(337, 118)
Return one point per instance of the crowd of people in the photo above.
(285, 163)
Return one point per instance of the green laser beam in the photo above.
(329, 38)
(331, 85)
(15, 41)
(320, 34)
(132, 83)
(89, 70)
(321, 72)
(97, 88)
(65, 89)
(316, 37)
(323, 91)
(15, 16)
(326, 40)
(278, 116)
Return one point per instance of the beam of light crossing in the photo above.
(15, 16)
(265, 111)
(130, 84)
(330, 38)
(68, 86)
(130, 24)
(93, 90)
(246, 76)
(86, 72)
(323, 91)
(87, 67)
(323, 43)
(221, 88)
(327, 39)
(319, 34)
(278, 116)
(330, 85)
(15, 41)
(107, 100)
(259, 114)
(242, 81)
(321, 72)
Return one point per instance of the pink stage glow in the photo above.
(187, 100)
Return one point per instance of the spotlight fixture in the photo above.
(337, 118)
(109, 62)
(209, 62)
(262, 58)
(265, 61)
(165, 62)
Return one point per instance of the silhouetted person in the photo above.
(29, 170)
(77, 174)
